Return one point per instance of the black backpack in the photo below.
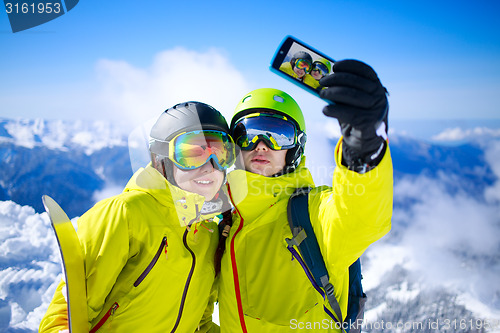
(313, 264)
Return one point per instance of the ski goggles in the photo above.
(191, 150)
(277, 131)
(303, 64)
(317, 66)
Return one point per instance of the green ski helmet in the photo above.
(274, 101)
(325, 62)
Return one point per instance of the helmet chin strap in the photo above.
(293, 156)
(285, 170)
(292, 160)
(168, 171)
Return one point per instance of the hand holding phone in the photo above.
(356, 97)
(301, 64)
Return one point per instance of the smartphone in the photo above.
(301, 64)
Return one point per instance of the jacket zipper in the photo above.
(108, 314)
(299, 259)
(235, 268)
(188, 281)
(152, 263)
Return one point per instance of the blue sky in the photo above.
(132, 59)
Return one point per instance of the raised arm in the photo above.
(356, 211)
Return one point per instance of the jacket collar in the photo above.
(188, 205)
(252, 193)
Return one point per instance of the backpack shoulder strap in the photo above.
(305, 240)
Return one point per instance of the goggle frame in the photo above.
(227, 163)
(270, 141)
(300, 61)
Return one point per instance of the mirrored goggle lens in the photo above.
(321, 68)
(278, 133)
(303, 64)
(192, 150)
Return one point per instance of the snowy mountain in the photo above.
(68, 161)
(436, 271)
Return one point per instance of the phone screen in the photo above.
(301, 64)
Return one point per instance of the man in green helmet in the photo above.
(320, 68)
(262, 288)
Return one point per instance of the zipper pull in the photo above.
(113, 308)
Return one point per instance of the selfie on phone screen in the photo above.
(305, 65)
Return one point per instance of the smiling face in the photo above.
(263, 160)
(299, 71)
(205, 180)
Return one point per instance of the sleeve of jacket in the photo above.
(206, 324)
(56, 317)
(287, 68)
(311, 81)
(354, 213)
(104, 236)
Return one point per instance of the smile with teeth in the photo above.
(203, 182)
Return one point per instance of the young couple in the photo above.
(153, 252)
(302, 68)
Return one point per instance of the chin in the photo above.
(209, 196)
(262, 172)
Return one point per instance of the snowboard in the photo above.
(73, 266)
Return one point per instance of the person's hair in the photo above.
(224, 228)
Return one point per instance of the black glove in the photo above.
(361, 107)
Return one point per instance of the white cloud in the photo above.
(107, 192)
(135, 94)
(128, 94)
(458, 134)
(30, 255)
(452, 239)
(492, 156)
(445, 238)
(382, 259)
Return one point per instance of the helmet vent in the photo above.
(247, 98)
(278, 98)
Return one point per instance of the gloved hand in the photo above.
(361, 107)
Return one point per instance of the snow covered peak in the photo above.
(61, 135)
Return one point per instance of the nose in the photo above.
(261, 146)
(208, 167)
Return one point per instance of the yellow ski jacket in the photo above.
(262, 288)
(287, 68)
(148, 260)
(307, 79)
(311, 81)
